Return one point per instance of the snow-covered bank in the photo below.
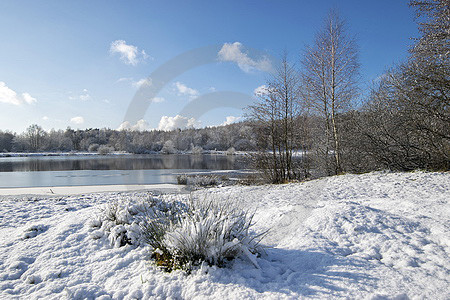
(371, 236)
(76, 190)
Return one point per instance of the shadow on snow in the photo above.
(291, 272)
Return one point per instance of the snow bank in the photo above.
(372, 236)
(75, 190)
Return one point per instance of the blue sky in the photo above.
(79, 63)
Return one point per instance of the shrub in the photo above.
(204, 231)
(93, 147)
(182, 179)
(204, 180)
(119, 220)
(231, 151)
(201, 181)
(181, 234)
(197, 150)
(104, 149)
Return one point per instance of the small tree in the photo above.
(168, 148)
(196, 150)
(274, 116)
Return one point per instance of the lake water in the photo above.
(44, 171)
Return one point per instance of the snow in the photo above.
(74, 190)
(372, 236)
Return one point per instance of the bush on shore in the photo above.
(181, 234)
(205, 231)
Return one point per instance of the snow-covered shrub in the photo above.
(209, 180)
(181, 234)
(182, 179)
(157, 221)
(231, 151)
(111, 212)
(118, 220)
(200, 181)
(168, 148)
(93, 147)
(104, 149)
(204, 180)
(197, 150)
(206, 231)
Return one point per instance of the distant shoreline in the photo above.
(115, 153)
(39, 154)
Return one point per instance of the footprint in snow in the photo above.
(34, 230)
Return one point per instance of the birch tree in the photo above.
(330, 72)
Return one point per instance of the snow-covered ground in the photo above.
(75, 190)
(371, 236)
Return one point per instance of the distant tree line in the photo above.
(238, 136)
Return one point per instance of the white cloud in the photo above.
(9, 96)
(140, 125)
(158, 100)
(233, 52)
(184, 90)
(136, 84)
(261, 90)
(28, 99)
(142, 82)
(45, 118)
(230, 119)
(145, 55)
(77, 120)
(128, 53)
(170, 123)
(83, 96)
(122, 79)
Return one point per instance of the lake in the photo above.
(42, 171)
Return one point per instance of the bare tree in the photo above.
(434, 25)
(330, 72)
(275, 115)
(35, 136)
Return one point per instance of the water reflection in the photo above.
(123, 162)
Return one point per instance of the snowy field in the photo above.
(371, 236)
